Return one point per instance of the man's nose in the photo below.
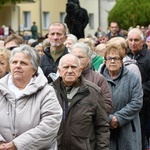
(55, 36)
(69, 69)
(132, 42)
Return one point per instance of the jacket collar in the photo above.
(105, 73)
(47, 51)
(141, 52)
(81, 93)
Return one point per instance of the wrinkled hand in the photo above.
(8, 146)
(114, 123)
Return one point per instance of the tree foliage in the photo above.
(130, 13)
(3, 2)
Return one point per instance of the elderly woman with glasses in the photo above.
(30, 113)
(127, 96)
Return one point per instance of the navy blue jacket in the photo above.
(48, 65)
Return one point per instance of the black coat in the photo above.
(48, 65)
(143, 62)
(76, 19)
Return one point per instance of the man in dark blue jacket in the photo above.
(137, 50)
(49, 61)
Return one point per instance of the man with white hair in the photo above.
(138, 51)
(84, 124)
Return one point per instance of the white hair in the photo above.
(72, 37)
(85, 48)
(138, 31)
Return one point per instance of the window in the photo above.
(46, 20)
(27, 20)
(91, 21)
(62, 17)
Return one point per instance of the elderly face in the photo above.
(113, 63)
(82, 56)
(135, 42)
(69, 70)
(69, 43)
(57, 35)
(21, 68)
(4, 66)
(39, 50)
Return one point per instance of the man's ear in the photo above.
(80, 70)
(65, 37)
(58, 70)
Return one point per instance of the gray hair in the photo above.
(138, 31)
(28, 51)
(86, 49)
(72, 37)
(63, 57)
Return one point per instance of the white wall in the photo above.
(105, 7)
(92, 7)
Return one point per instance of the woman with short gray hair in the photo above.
(29, 110)
(83, 52)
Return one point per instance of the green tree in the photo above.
(3, 2)
(130, 13)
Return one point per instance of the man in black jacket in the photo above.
(76, 18)
(137, 50)
(49, 61)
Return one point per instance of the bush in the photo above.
(130, 13)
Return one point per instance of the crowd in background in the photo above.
(117, 63)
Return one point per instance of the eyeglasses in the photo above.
(109, 59)
(11, 48)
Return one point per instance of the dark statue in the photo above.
(76, 18)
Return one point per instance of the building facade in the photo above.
(43, 12)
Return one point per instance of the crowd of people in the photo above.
(67, 93)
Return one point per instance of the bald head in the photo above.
(69, 57)
(69, 69)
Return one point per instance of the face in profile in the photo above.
(4, 66)
(69, 70)
(69, 43)
(39, 50)
(82, 56)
